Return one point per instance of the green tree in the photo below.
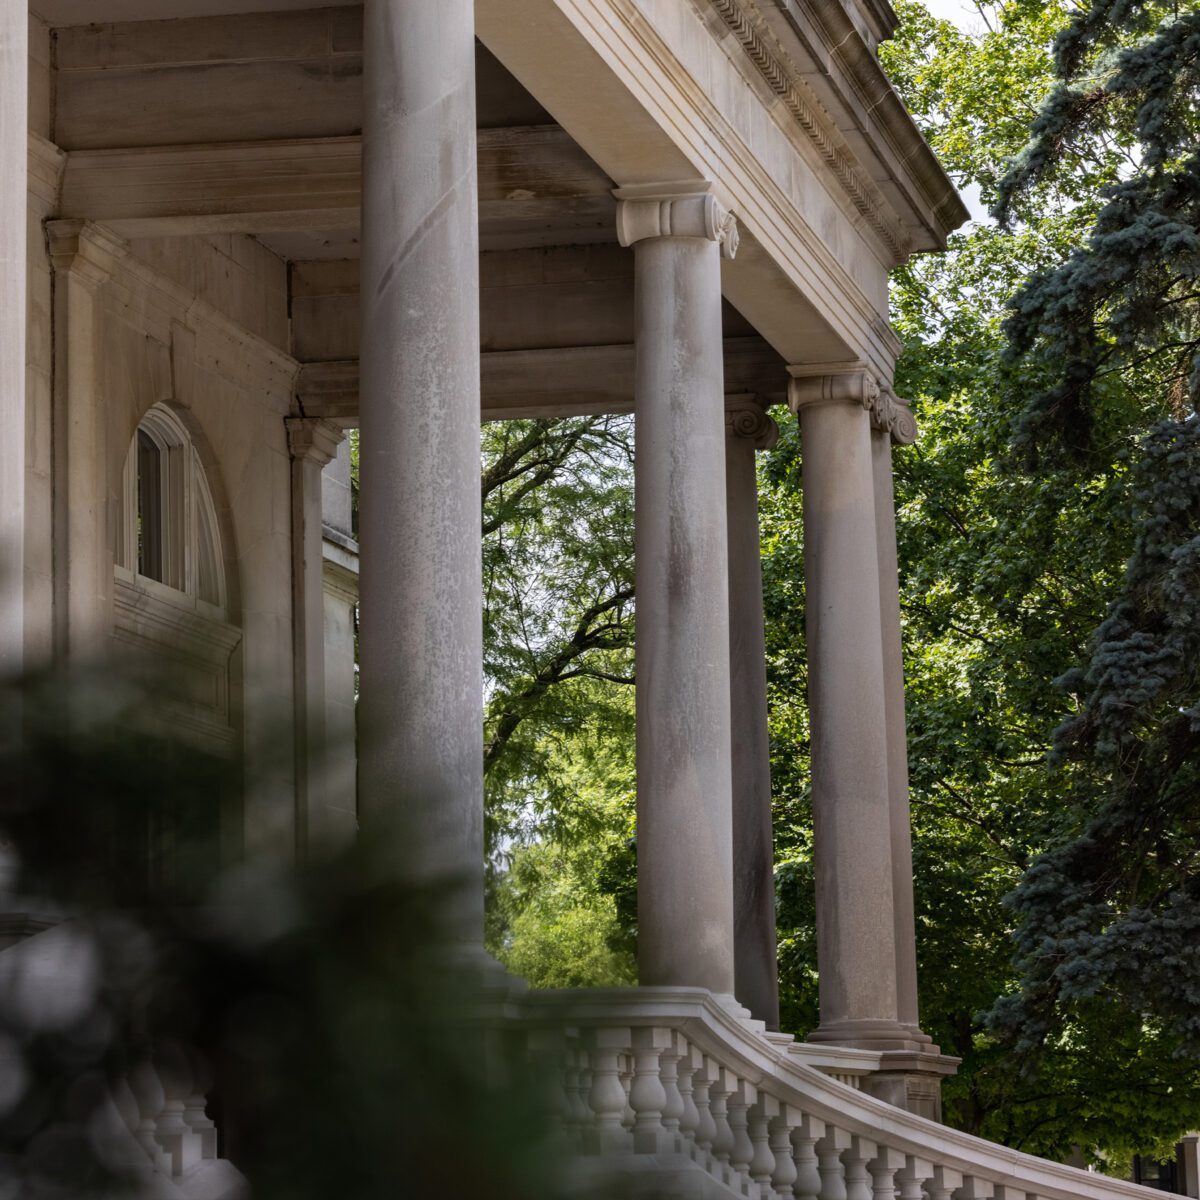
(1005, 574)
(1109, 917)
(558, 757)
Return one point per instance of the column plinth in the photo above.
(421, 636)
(685, 855)
(749, 429)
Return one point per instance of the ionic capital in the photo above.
(746, 418)
(684, 210)
(313, 439)
(852, 383)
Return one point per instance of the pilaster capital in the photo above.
(313, 439)
(746, 418)
(852, 383)
(85, 251)
(687, 210)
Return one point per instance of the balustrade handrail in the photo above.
(719, 1029)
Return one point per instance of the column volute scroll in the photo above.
(831, 383)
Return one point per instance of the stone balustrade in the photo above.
(673, 1091)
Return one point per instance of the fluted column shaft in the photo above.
(14, 152)
(847, 714)
(421, 632)
(748, 430)
(685, 855)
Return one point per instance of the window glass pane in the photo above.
(150, 509)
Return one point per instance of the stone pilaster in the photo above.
(685, 853)
(83, 257)
(421, 627)
(313, 444)
(749, 429)
(14, 143)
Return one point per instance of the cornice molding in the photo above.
(687, 210)
(807, 112)
(852, 383)
(47, 166)
(860, 65)
(745, 418)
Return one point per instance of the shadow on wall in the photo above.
(341, 1051)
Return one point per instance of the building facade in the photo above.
(236, 229)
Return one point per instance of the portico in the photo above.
(472, 211)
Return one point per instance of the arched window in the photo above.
(168, 527)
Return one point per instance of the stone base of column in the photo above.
(911, 1068)
(912, 1081)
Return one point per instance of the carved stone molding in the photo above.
(746, 418)
(894, 415)
(816, 124)
(675, 210)
(852, 383)
(313, 438)
(85, 251)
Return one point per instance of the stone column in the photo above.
(748, 428)
(421, 633)
(847, 712)
(14, 155)
(897, 741)
(685, 852)
(863, 860)
(313, 444)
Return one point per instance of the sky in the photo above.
(962, 12)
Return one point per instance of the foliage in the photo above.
(1108, 917)
(315, 1003)
(1005, 574)
(558, 594)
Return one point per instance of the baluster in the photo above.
(172, 1131)
(718, 1092)
(548, 1061)
(570, 1087)
(829, 1163)
(911, 1178)
(807, 1132)
(587, 1118)
(110, 1130)
(855, 1159)
(1004, 1191)
(762, 1160)
(706, 1125)
(974, 1188)
(689, 1123)
(783, 1177)
(883, 1168)
(738, 1106)
(668, 1071)
(195, 1108)
(126, 1103)
(147, 1091)
(647, 1095)
(607, 1097)
(626, 1075)
(942, 1183)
